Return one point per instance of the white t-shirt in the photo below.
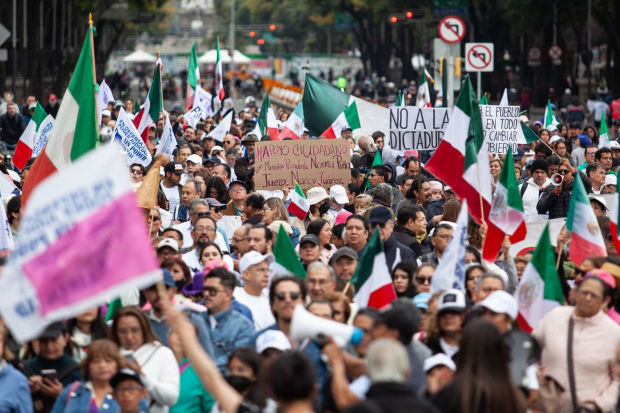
(448, 349)
(259, 306)
(172, 195)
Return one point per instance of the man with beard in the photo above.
(170, 185)
(204, 230)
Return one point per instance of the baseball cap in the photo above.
(519, 155)
(339, 194)
(575, 124)
(215, 149)
(309, 238)
(212, 159)
(168, 242)
(33, 105)
(345, 128)
(439, 359)
(524, 119)
(380, 215)
(342, 217)
(272, 339)
(452, 300)
(53, 330)
(344, 252)
(421, 300)
(552, 128)
(502, 303)
(125, 374)
(167, 278)
(611, 179)
(237, 183)
(253, 258)
(214, 202)
(119, 104)
(53, 97)
(403, 316)
(105, 112)
(205, 136)
(614, 145)
(193, 158)
(174, 167)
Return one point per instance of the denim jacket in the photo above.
(230, 330)
(78, 401)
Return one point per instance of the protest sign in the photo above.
(229, 224)
(193, 116)
(126, 135)
(279, 163)
(43, 135)
(501, 128)
(417, 128)
(83, 240)
(221, 129)
(168, 142)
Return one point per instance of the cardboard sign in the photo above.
(280, 163)
(417, 128)
(501, 128)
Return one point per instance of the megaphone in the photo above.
(306, 325)
(557, 179)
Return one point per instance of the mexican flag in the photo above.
(376, 161)
(539, 290)
(586, 238)
(603, 141)
(34, 138)
(193, 79)
(549, 118)
(614, 218)
(287, 261)
(400, 102)
(294, 125)
(267, 120)
(372, 280)
(76, 131)
(219, 75)
(506, 214)
(153, 105)
(299, 205)
(424, 95)
(349, 118)
(461, 160)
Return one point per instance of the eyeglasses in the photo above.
(373, 175)
(237, 189)
(282, 296)
(378, 142)
(591, 153)
(130, 389)
(563, 171)
(423, 280)
(137, 171)
(269, 209)
(212, 291)
(240, 239)
(204, 229)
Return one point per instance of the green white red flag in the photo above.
(219, 75)
(287, 261)
(267, 123)
(193, 79)
(299, 205)
(372, 280)
(423, 98)
(294, 126)
(506, 212)
(586, 237)
(539, 290)
(76, 130)
(550, 118)
(34, 138)
(153, 105)
(614, 218)
(349, 118)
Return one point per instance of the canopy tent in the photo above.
(211, 57)
(140, 56)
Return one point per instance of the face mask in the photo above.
(180, 284)
(324, 208)
(239, 383)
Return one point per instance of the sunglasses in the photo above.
(137, 171)
(423, 280)
(563, 171)
(282, 296)
(212, 291)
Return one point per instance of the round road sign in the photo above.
(534, 53)
(555, 52)
(479, 57)
(451, 29)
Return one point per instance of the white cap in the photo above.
(193, 158)
(272, 339)
(439, 359)
(168, 242)
(105, 112)
(502, 303)
(33, 105)
(253, 258)
(599, 198)
(611, 179)
(524, 119)
(614, 145)
(552, 128)
(339, 194)
(216, 148)
(555, 138)
(452, 299)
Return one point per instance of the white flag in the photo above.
(7, 242)
(193, 116)
(126, 134)
(450, 272)
(222, 128)
(6, 186)
(504, 101)
(43, 135)
(103, 97)
(203, 98)
(168, 141)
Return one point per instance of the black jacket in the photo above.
(430, 258)
(11, 129)
(391, 397)
(389, 247)
(243, 171)
(407, 237)
(557, 205)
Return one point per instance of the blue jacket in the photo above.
(231, 332)
(14, 391)
(161, 330)
(295, 236)
(78, 401)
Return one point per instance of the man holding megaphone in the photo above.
(555, 200)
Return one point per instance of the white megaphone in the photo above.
(557, 179)
(306, 325)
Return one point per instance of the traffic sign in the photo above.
(534, 53)
(555, 53)
(479, 57)
(4, 35)
(451, 29)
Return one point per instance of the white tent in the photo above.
(211, 57)
(140, 56)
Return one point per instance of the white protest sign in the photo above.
(417, 128)
(229, 224)
(127, 136)
(104, 96)
(193, 116)
(168, 142)
(221, 129)
(45, 131)
(501, 128)
(203, 99)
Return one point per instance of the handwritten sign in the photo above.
(323, 161)
(417, 128)
(501, 128)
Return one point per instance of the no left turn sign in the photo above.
(451, 29)
(555, 52)
(479, 57)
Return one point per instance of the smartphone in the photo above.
(128, 354)
(49, 374)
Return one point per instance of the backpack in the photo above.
(523, 188)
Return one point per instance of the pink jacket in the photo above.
(595, 340)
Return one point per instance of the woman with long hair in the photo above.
(451, 210)
(216, 188)
(341, 304)
(155, 363)
(496, 168)
(84, 329)
(402, 277)
(180, 272)
(323, 230)
(208, 252)
(275, 210)
(446, 326)
(482, 383)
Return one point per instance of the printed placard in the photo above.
(417, 128)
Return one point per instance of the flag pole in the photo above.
(557, 263)
(419, 179)
(92, 56)
(346, 288)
